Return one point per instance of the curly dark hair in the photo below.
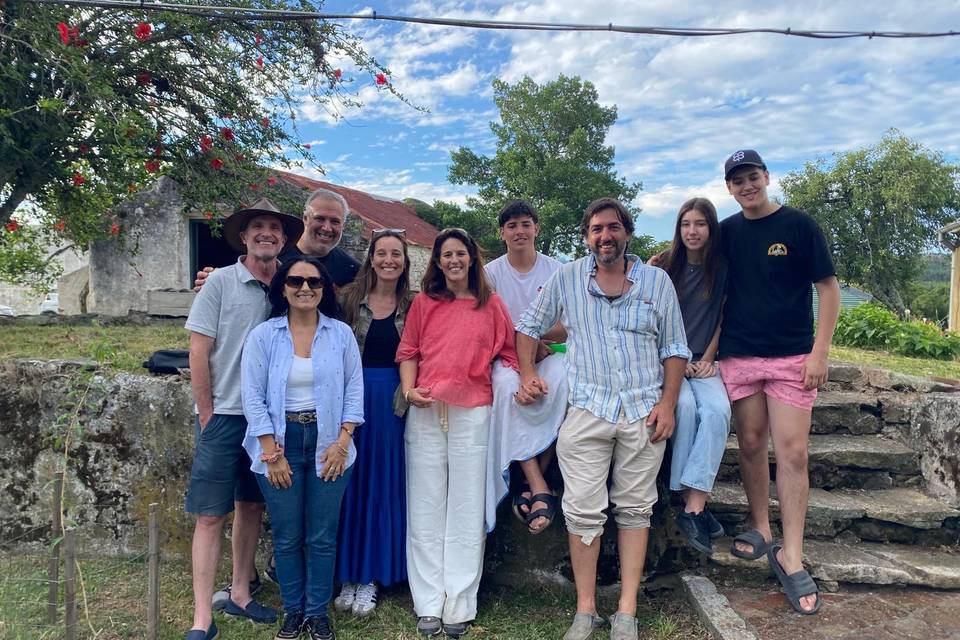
(278, 302)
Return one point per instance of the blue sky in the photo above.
(683, 103)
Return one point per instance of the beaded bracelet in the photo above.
(272, 457)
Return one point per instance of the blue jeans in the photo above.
(703, 423)
(304, 519)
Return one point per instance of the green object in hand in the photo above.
(559, 347)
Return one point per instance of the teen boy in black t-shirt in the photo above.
(771, 362)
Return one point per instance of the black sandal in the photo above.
(520, 501)
(549, 512)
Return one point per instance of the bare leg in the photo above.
(633, 551)
(207, 534)
(753, 435)
(790, 427)
(246, 530)
(546, 458)
(531, 469)
(695, 500)
(584, 558)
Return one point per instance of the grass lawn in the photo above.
(125, 347)
(913, 366)
(116, 588)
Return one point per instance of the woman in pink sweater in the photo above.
(455, 328)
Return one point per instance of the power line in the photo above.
(233, 13)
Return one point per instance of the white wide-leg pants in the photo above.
(445, 508)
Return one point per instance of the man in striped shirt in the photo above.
(626, 353)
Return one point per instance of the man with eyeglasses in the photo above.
(232, 302)
(324, 216)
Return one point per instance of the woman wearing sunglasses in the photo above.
(302, 397)
(454, 330)
(373, 523)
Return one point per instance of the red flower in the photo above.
(265, 122)
(208, 215)
(12, 225)
(82, 42)
(271, 181)
(64, 32)
(152, 166)
(306, 146)
(337, 73)
(206, 144)
(75, 35)
(143, 78)
(78, 179)
(239, 157)
(258, 38)
(142, 31)
(158, 150)
(381, 79)
(227, 134)
(253, 186)
(260, 62)
(114, 229)
(60, 226)
(216, 163)
(83, 149)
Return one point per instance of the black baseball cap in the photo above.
(742, 158)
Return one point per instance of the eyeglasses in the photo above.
(296, 282)
(378, 233)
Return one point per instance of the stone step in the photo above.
(888, 515)
(861, 563)
(846, 462)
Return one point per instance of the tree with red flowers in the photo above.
(97, 100)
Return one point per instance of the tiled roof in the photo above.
(377, 212)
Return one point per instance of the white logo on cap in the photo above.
(738, 156)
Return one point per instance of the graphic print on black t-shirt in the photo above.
(772, 265)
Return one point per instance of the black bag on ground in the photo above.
(168, 361)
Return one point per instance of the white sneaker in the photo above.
(344, 601)
(366, 600)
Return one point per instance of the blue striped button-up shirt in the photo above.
(615, 348)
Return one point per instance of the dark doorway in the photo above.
(207, 251)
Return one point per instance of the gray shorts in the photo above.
(221, 468)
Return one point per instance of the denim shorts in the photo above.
(221, 468)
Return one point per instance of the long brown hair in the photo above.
(434, 283)
(674, 261)
(366, 279)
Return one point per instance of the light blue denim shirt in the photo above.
(615, 348)
(337, 384)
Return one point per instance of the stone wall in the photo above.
(130, 443)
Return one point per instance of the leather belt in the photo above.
(303, 417)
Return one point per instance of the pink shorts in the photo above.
(780, 378)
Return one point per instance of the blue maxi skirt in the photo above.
(374, 518)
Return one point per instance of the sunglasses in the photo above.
(296, 282)
(378, 233)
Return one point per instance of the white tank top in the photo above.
(300, 386)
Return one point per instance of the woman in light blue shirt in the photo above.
(303, 397)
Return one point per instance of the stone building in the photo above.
(151, 269)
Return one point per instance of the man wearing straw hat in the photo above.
(232, 302)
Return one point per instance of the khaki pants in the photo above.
(585, 449)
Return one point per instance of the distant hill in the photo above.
(936, 268)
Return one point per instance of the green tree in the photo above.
(880, 208)
(550, 151)
(98, 102)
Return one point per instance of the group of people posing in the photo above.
(378, 425)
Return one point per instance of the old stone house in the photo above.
(152, 268)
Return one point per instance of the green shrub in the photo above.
(871, 326)
(867, 326)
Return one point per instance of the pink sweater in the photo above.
(456, 345)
